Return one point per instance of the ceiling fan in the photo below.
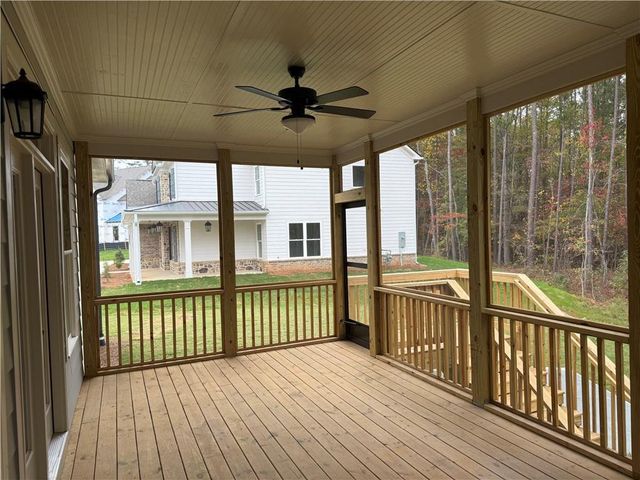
(298, 99)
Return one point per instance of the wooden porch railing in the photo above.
(544, 368)
(163, 328)
(151, 329)
(279, 314)
(543, 351)
(427, 332)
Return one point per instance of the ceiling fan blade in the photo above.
(346, 111)
(344, 94)
(247, 111)
(262, 93)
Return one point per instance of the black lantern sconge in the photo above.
(158, 227)
(25, 102)
(207, 226)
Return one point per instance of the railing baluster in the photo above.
(244, 320)
(106, 333)
(214, 322)
(584, 368)
(270, 300)
(252, 319)
(194, 327)
(203, 306)
(568, 380)
(513, 366)
(152, 340)
(554, 375)
(278, 316)
(621, 407)
(502, 361)
(602, 393)
(130, 333)
(525, 367)
(539, 347)
(288, 317)
(164, 333)
(261, 297)
(119, 326)
(311, 317)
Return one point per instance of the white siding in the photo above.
(398, 199)
(198, 181)
(205, 246)
(294, 195)
(397, 204)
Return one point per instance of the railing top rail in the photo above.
(607, 332)
(140, 297)
(279, 286)
(439, 299)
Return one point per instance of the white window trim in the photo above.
(258, 180)
(261, 241)
(304, 240)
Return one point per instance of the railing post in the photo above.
(479, 257)
(633, 215)
(372, 185)
(88, 260)
(227, 253)
(337, 236)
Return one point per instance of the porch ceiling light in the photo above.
(25, 102)
(207, 226)
(298, 123)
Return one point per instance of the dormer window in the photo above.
(257, 175)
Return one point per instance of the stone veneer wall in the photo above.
(164, 186)
(282, 267)
(212, 267)
(149, 247)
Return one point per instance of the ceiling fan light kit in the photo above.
(298, 99)
(298, 124)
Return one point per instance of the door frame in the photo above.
(355, 331)
(25, 151)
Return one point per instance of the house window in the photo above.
(259, 239)
(116, 234)
(257, 175)
(358, 176)
(172, 184)
(173, 244)
(304, 240)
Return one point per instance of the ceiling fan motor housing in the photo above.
(300, 97)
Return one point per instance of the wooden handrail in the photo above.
(560, 324)
(437, 299)
(139, 297)
(278, 286)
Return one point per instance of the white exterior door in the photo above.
(31, 317)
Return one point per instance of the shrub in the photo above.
(118, 258)
(105, 271)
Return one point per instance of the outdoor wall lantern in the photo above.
(25, 102)
(158, 227)
(207, 226)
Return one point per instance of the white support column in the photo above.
(135, 266)
(188, 258)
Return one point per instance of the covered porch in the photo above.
(321, 411)
(465, 371)
(182, 238)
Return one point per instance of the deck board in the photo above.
(311, 412)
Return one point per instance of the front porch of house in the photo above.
(319, 411)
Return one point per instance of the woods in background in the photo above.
(558, 190)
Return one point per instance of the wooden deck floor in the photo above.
(322, 411)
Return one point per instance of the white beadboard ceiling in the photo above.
(159, 70)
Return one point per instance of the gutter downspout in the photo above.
(97, 245)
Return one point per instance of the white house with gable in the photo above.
(282, 218)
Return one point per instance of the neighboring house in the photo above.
(111, 203)
(282, 218)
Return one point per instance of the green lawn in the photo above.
(110, 255)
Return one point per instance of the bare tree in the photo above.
(453, 224)
(533, 186)
(587, 263)
(607, 201)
